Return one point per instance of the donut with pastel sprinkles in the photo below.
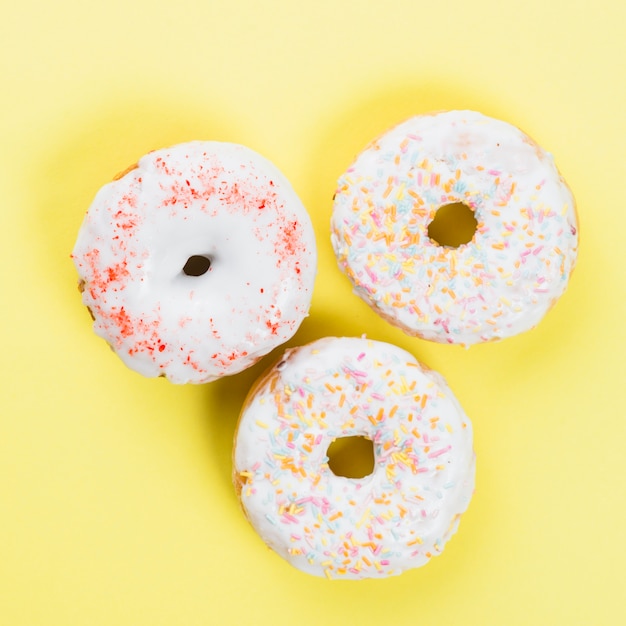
(393, 519)
(502, 281)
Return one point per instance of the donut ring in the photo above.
(392, 520)
(196, 262)
(499, 284)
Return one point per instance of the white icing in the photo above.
(502, 282)
(219, 200)
(395, 519)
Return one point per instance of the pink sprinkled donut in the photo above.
(393, 519)
(498, 284)
(196, 262)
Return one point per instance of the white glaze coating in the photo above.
(396, 518)
(212, 199)
(499, 284)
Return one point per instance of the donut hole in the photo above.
(197, 265)
(351, 457)
(454, 224)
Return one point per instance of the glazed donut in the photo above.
(196, 262)
(391, 520)
(500, 283)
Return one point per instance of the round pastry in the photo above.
(393, 519)
(500, 282)
(196, 262)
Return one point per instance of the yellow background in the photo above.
(116, 505)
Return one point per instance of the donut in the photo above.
(196, 262)
(393, 519)
(499, 283)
